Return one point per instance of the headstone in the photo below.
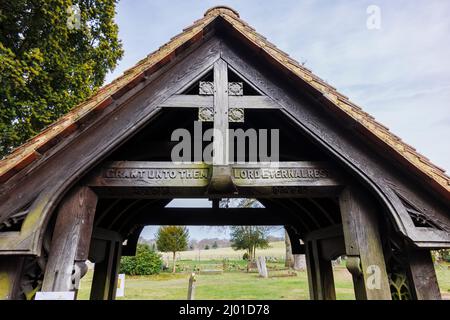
(120, 292)
(299, 262)
(262, 268)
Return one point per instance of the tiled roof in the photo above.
(36, 146)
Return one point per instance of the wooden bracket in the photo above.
(354, 266)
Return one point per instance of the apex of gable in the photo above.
(215, 11)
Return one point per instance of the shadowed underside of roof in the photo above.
(34, 148)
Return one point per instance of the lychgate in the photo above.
(84, 188)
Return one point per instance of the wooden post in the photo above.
(104, 282)
(363, 246)
(320, 273)
(221, 181)
(71, 239)
(422, 275)
(115, 270)
(10, 276)
(220, 113)
(191, 288)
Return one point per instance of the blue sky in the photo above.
(400, 73)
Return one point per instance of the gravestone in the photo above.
(262, 268)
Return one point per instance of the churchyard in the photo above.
(221, 274)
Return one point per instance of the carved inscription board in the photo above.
(157, 174)
(136, 174)
(284, 176)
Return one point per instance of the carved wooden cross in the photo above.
(222, 102)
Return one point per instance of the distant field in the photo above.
(276, 250)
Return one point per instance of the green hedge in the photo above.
(145, 262)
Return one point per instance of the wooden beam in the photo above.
(422, 275)
(150, 174)
(253, 102)
(325, 233)
(220, 143)
(363, 245)
(320, 273)
(200, 101)
(296, 246)
(371, 166)
(103, 273)
(220, 181)
(104, 234)
(115, 271)
(211, 216)
(71, 238)
(188, 101)
(11, 268)
(81, 151)
(300, 173)
(168, 174)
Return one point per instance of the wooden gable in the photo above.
(37, 175)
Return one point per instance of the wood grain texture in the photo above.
(79, 153)
(11, 269)
(342, 144)
(422, 274)
(362, 240)
(71, 238)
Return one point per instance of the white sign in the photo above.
(120, 285)
(65, 295)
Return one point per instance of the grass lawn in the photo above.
(234, 285)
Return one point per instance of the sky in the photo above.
(399, 73)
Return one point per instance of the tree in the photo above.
(215, 245)
(207, 247)
(53, 55)
(289, 261)
(145, 262)
(249, 238)
(172, 239)
(295, 261)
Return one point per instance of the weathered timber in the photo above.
(422, 275)
(221, 181)
(71, 238)
(235, 102)
(82, 150)
(294, 240)
(10, 277)
(347, 148)
(103, 272)
(167, 174)
(211, 216)
(320, 273)
(325, 233)
(220, 143)
(363, 245)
